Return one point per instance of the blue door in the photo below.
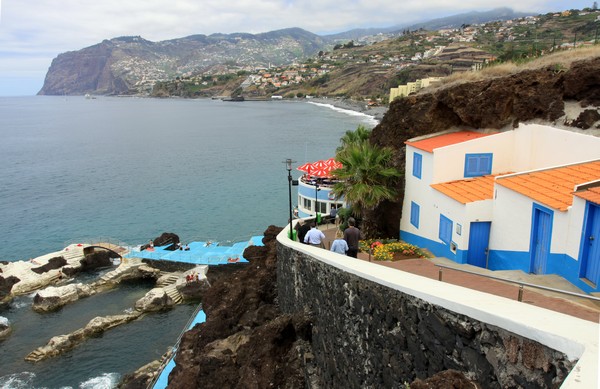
(479, 238)
(540, 242)
(591, 246)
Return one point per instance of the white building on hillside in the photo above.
(525, 199)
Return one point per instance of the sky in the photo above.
(33, 32)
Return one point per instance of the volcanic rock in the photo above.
(155, 300)
(587, 119)
(53, 298)
(245, 341)
(53, 263)
(62, 343)
(96, 260)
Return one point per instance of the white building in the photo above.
(525, 199)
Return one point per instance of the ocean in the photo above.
(125, 170)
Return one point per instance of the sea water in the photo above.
(126, 170)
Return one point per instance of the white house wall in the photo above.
(528, 147)
(537, 146)
(450, 160)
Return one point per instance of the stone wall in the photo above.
(367, 335)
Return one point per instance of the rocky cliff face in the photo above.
(132, 64)
(562, 97)
(245, 342)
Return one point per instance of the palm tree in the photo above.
(361, 134)
(366, 178)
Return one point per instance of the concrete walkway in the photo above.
(574, 306)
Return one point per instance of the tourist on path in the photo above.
(339, 245)
(303, 230)
(314, 237)
(352, 235)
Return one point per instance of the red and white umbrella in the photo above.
(305, 168)
(320, 172)
(331, 162)
(319, 164)
(320, 168)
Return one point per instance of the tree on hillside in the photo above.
(366, 178)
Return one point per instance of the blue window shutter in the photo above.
(445, 229)
(485, 164)
(478, 164)
(415, 209)
(417, 164)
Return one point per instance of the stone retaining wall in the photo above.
(367, 335)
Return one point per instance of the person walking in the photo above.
(314, 237)
(352, 235)
(303, 230)
(339, 245)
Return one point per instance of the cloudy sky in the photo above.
(33, 32)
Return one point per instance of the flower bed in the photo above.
(392, 250)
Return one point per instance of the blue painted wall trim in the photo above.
(437, 248)
(310, 193)
(509, 260)
(560, 264)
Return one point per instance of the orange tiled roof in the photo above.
(445, 140)
(468, 190)
(590, 194)
(553, 187)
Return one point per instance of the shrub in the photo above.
(384, 249)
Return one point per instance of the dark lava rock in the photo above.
(96, 260)
(246, 342)
(6, 285)
(449, 379)
(53, 263)
(164, 239)
(587, 119)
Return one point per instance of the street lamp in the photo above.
(317, 189)
(288, 165)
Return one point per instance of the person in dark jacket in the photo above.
(352, 235)
(304, 228)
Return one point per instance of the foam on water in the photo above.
(23, 380)
(368, 118)
(104, 381)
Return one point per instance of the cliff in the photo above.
(245, 342)
(566, 96)
(133, 64)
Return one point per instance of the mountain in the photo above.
(131, 64)
(454, 21)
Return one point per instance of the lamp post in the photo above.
(288, 164)
(317, 189)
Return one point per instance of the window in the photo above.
(307, 203)
(322, 207)
(478, 164)
(417, 164)
(414, 214)
(445, 229)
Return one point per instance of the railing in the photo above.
(166, 361)
(520, 283)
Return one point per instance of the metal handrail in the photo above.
(166, 361)
(520, 283)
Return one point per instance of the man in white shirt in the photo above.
(314, 237)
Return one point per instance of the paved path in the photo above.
(573, 306)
